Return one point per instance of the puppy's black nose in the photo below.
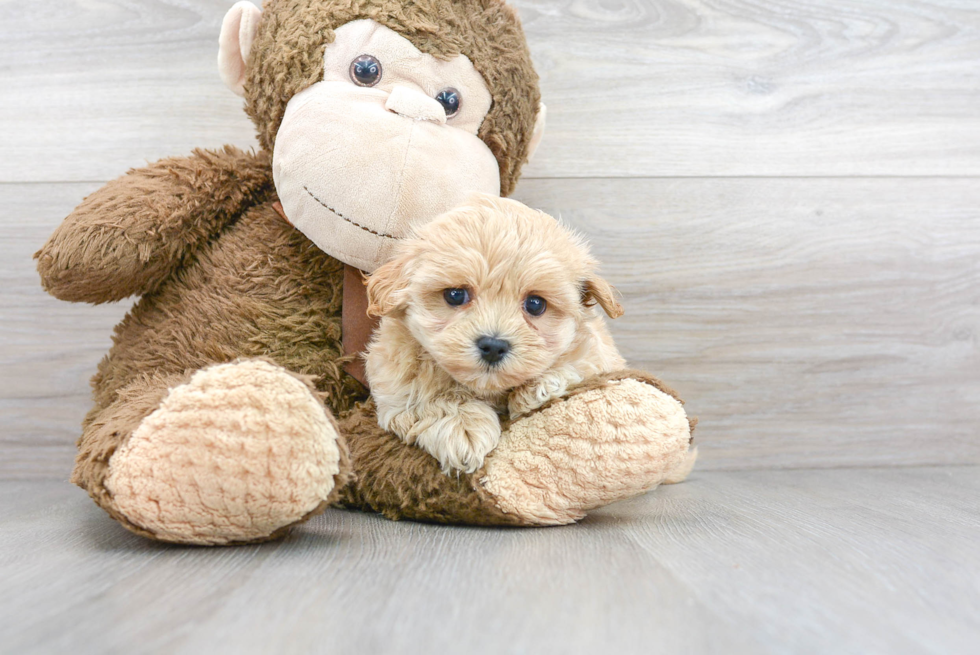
(492, 349)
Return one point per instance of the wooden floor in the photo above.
(788, 196)
(843, 561)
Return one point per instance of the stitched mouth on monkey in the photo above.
(357, 167)
(355, 177)
(349, 220)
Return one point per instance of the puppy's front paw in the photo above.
(459, 435)
(527, 398)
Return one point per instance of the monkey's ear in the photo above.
(538, 132)
(596, 290)
(386, 288)
(235, 43)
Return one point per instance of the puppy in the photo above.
(488, 310)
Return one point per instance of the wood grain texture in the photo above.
(745, 88)
(90, 89)
(806, 322)
(634, 87)
(48, 349)
(845, 561)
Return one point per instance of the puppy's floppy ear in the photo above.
(596, 290)
(386, 287)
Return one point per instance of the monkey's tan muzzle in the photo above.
(356, 168)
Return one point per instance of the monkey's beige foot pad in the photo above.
(608, 440)
(236, 454)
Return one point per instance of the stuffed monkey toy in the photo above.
(231, 405)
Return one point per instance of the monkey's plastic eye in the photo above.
(456, 297)
(450, 101)
(365, 71)
(535, 305)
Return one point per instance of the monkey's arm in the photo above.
(130, 235)
(612, 437)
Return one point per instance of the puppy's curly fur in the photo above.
(435, 381)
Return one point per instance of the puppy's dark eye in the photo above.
(365, 71)
(450, 101)
(456, 297)
(535, 305)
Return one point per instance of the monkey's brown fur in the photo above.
(257, 288)
(289, 57)
(400, 482)
(222, 277)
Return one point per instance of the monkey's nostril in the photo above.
(415, 105)
(492, 349)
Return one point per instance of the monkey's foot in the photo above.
(612, 438)
(239, 453)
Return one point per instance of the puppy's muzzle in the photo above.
(492, 349)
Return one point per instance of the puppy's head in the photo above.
(495, 291)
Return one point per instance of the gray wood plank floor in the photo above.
(841, 561)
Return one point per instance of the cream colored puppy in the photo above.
(488, 310)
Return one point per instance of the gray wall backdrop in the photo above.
(787, 195)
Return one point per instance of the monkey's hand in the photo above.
(552, 384)
(131, 235)
(612, 437)
(458, 434)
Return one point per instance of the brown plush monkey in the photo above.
(223, 413)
